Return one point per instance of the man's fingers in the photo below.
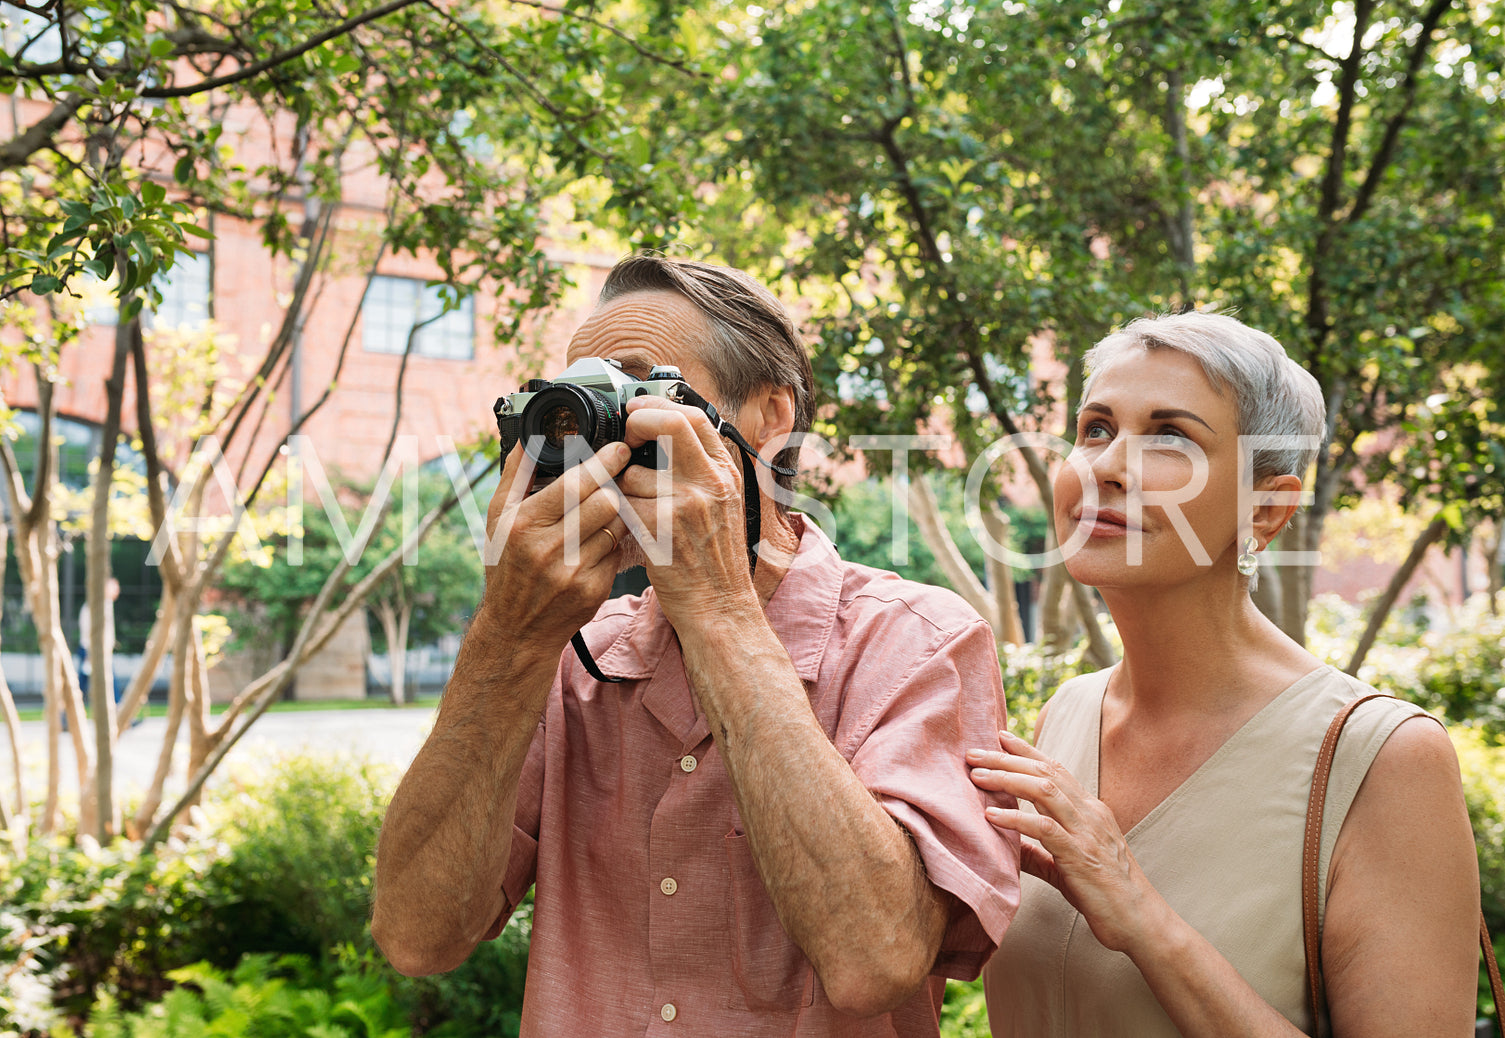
(581, 482)
(517, 476)
(650, 417)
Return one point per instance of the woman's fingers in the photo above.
(1033, 777)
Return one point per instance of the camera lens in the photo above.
(562, 411)
(558, 423)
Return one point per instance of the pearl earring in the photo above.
(1248, 562)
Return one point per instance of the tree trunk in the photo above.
(13, 819)
(1434, 532)
(318, 627)
(102, 648)
(1302, 534)
(1181, 231)
(136, 694)
(1056, 628)
(1001, 577)
(932, 525)
(394, 624)
(1495, 554)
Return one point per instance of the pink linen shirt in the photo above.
(649, 915)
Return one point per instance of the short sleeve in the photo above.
(912, 759)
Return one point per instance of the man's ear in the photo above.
(769, 411)
(1276, 503)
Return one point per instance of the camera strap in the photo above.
(752, 505)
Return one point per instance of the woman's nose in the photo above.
(1110, 467)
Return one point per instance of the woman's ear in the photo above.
(1277, 498)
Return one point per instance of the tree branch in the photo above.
(565, 12)
(1317, 321)
(1386, 150)
(1398, 580)
(311, 637)
(19, 149)
(538, 96)
(256, 68)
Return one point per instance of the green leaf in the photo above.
(182, 172)
(153, 193)
(161, 48)
(43, 284)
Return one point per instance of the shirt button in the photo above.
(688, 763)
(668, 886)
(668, 1012)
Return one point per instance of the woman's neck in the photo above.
(1202, 646)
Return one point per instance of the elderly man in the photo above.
(767, 827)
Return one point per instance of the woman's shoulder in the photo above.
(1077, 702)
(1329, 690)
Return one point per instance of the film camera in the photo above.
(589, 400)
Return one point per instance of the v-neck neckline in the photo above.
(1094, 766)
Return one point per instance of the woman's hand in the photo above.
(1080, 849)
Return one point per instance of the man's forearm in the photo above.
(846, 880)
(448, 831)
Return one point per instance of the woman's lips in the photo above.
(1105, 522)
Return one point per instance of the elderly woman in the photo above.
(1164, 800)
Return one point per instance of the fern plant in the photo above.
(263, 997)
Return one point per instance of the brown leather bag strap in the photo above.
(1496, 989)
(1310, 853)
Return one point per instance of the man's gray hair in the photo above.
(1273, 395)
(754, 342)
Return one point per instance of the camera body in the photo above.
(589, 400)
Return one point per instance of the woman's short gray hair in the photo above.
(1273, 395)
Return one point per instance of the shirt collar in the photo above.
(802, 613)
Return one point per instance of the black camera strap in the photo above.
(752, 504)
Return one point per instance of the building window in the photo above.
(186, 290)
(394, 305)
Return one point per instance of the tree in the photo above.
(1453, 460)
(120, 152)
(426, 597)
(956, 187)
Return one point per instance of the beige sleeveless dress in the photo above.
(1224, 849)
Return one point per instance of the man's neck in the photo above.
(781, 542)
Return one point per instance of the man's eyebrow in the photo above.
(1157, 415)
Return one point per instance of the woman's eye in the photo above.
(1167, 438)
(1093, 431)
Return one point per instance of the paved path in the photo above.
(388, 736)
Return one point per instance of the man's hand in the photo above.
(696, 508)
(558, 550)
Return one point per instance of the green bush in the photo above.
(83, 919)
(1456, 670)
(278, 864)
(964, 1014)
(263, 997)
(1483, 769)
(300, 854)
